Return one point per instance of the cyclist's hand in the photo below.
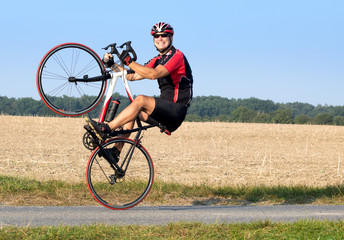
(125, 58)
(108, 60)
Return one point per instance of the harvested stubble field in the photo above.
(46, 148)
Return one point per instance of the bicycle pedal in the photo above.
(88, 121)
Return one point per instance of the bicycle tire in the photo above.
(70, 98)
(125, 192)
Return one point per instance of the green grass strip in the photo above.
(77, 193)
(307, 229)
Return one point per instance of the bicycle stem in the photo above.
(92, 79)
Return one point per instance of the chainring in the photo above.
(88, 141)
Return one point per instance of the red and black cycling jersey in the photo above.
(177, 86)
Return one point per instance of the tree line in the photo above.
(254, 110)
(209, 108)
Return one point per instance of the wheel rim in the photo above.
(70, 98)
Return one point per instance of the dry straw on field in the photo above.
(213, 153)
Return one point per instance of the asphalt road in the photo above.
(162, 215)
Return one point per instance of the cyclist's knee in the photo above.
(144, 103)
(142, 100)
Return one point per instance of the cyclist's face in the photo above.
(162, 43)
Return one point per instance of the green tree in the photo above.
(262, 118)
(283, 116)
(338, 120)
(223, 118)
(302, 119)
(298, 108)
(338, 111)
(323, 119)
(243, 114)
(193, 118)
(256, 104)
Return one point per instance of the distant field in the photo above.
(214, 153)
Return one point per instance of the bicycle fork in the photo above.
(129, 154)
(120, 171)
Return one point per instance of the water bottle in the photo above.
(111, 112)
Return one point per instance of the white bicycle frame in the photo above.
(111, 89)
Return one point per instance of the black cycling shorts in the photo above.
(169, 114)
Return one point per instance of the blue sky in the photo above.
(284, 51)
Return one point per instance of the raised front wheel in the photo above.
(58, 67)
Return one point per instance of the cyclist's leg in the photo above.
(141, 104)
(128, 126)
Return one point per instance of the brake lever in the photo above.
(127, 44)
(113, 48)
(129, 49)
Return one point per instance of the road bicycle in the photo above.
(71, 80)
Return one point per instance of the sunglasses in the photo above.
(161, 35)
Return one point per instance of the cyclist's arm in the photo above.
(147, 72)
(134, 77)
(130, 76)
(117, 68)
(141, 71)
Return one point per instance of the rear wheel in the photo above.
(65, 97)
(115, 189)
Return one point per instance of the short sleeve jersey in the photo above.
(177, 86)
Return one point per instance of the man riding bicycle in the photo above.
(175, 80)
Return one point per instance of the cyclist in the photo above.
(175, 80)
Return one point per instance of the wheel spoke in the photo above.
(55, 92)
(59, 60)
(100, 167)
(90, 66)
(56, 76)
